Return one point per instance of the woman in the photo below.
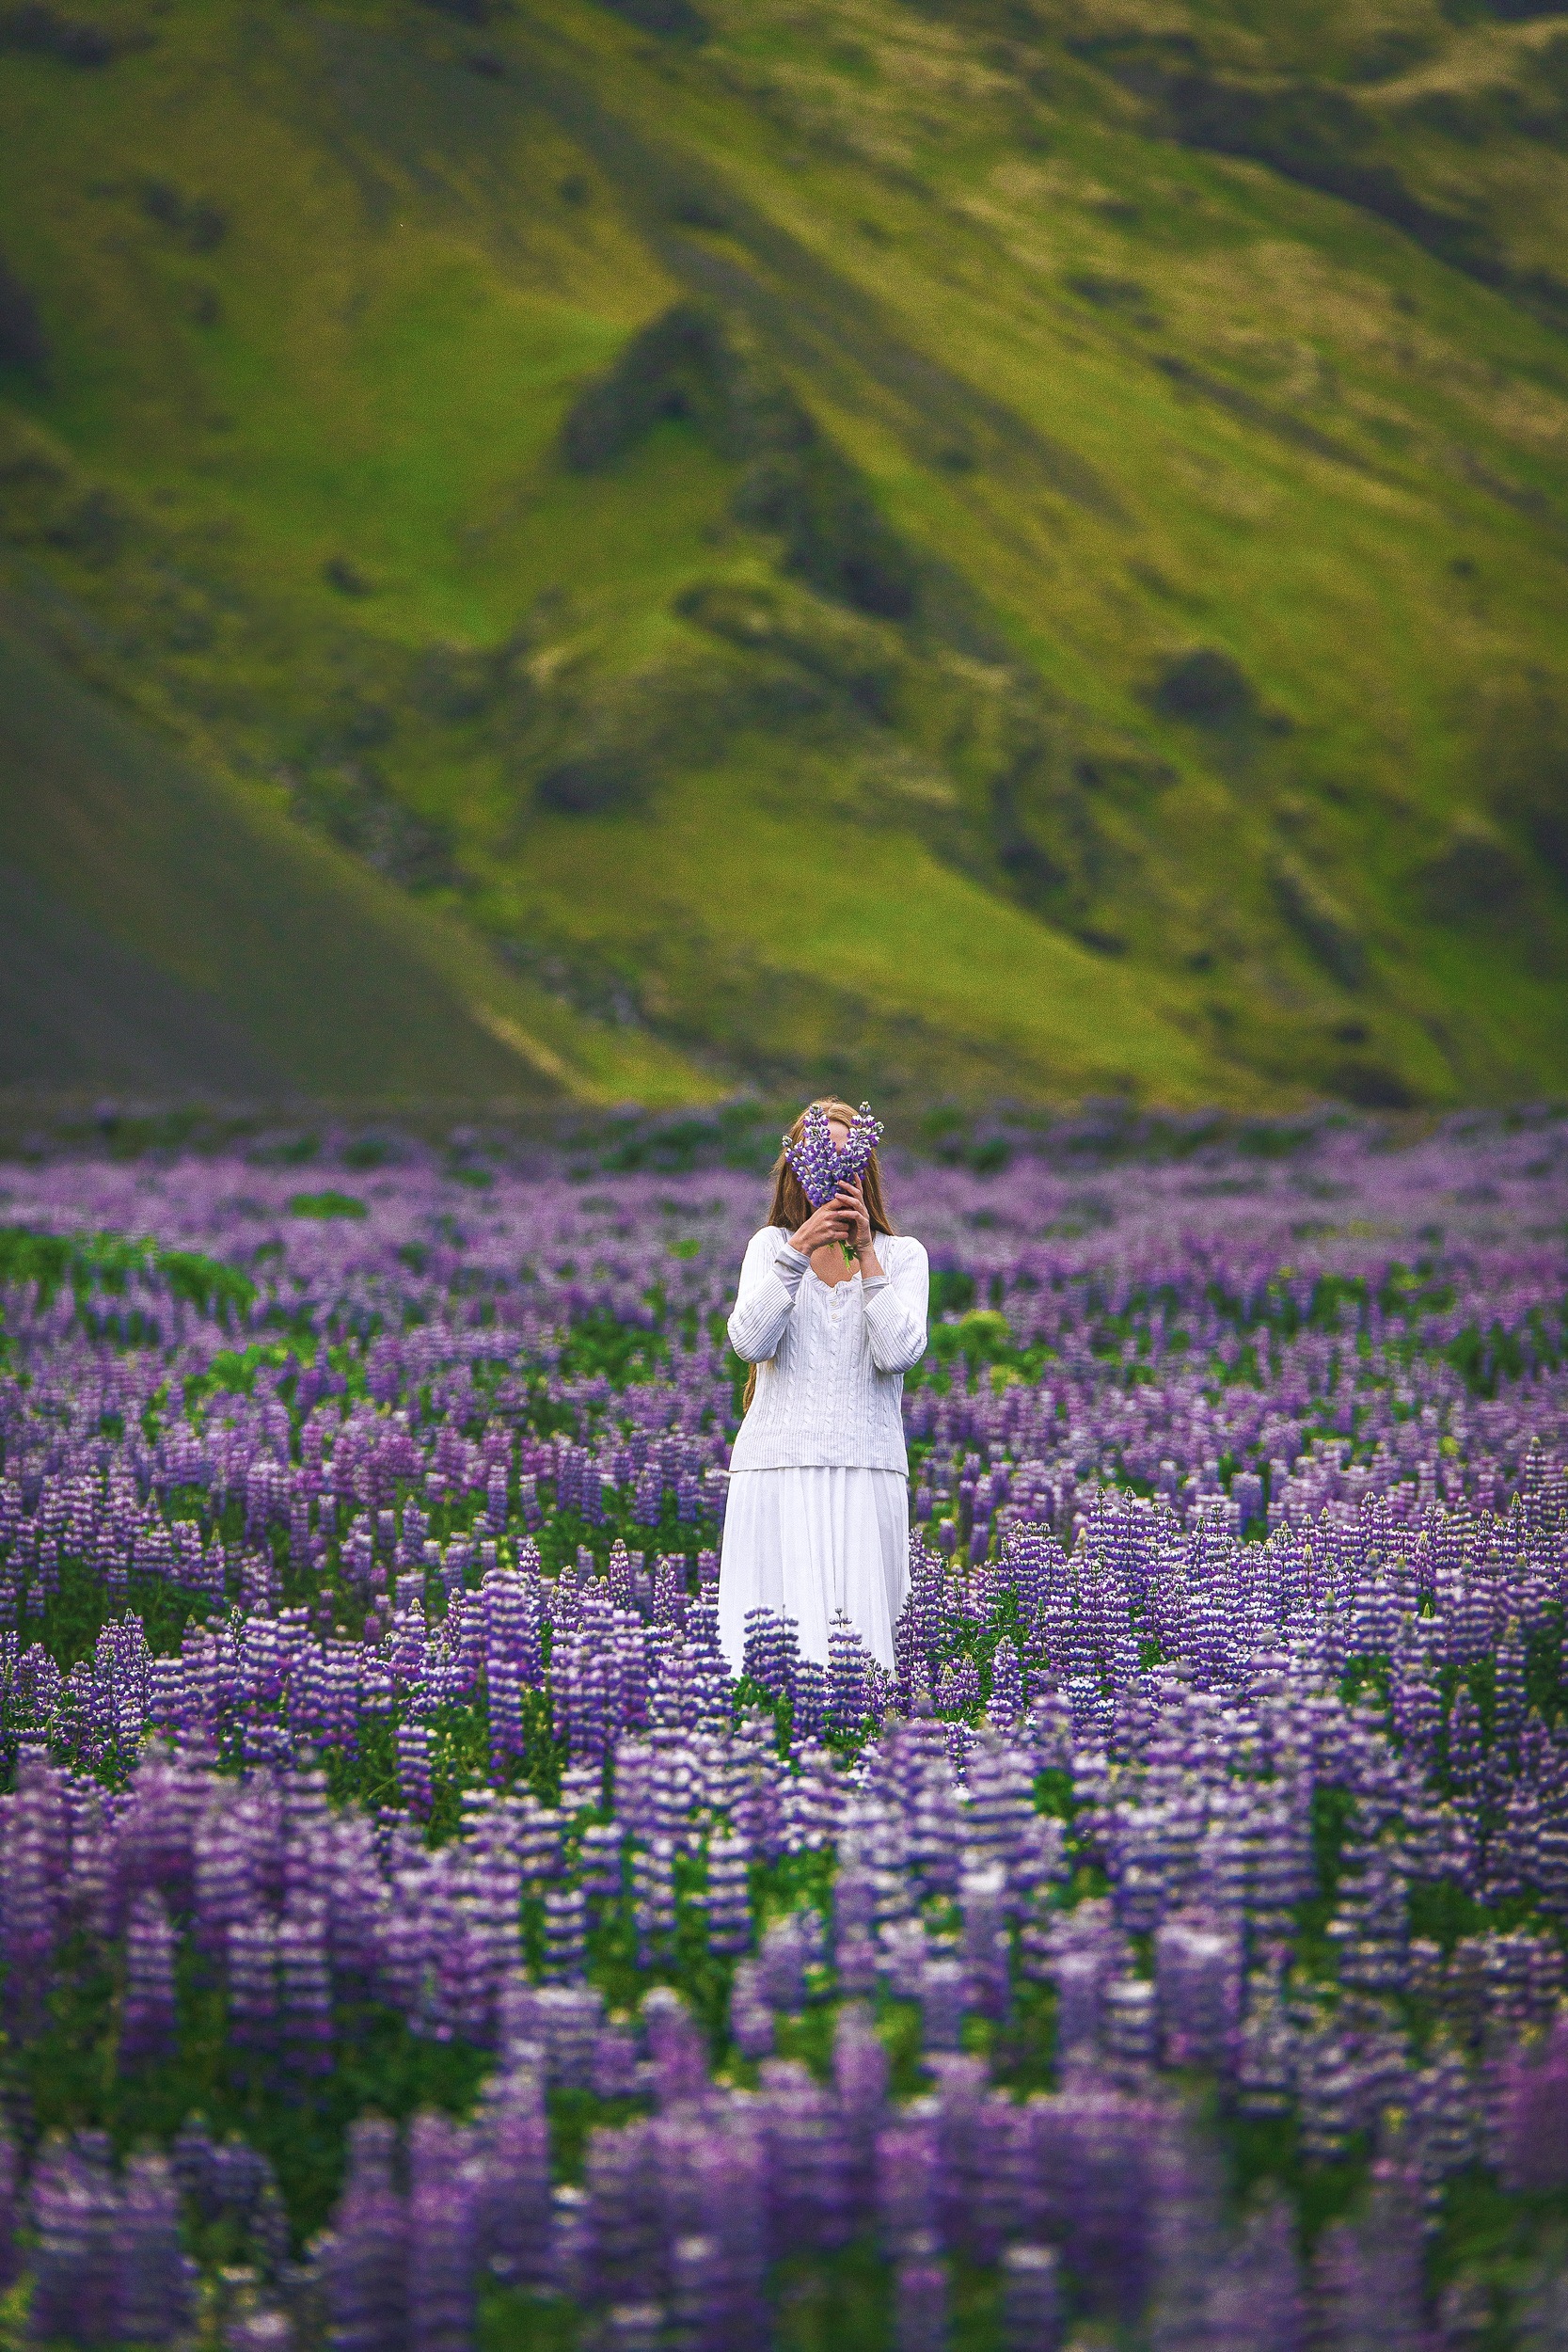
(817, 1519)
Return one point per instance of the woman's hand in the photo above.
(851, 1201)
(825, 1226)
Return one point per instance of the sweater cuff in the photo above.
(789, 1266)
(870, 1283)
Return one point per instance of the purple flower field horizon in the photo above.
(414, 1936)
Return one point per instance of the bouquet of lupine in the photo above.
(821, 1166)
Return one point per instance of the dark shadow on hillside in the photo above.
(82, 1011)
(167, 927)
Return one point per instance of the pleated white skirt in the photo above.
(807, 1543)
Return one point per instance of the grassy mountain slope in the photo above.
(177, 932)
(974, 547)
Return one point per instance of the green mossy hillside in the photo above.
(968, 549)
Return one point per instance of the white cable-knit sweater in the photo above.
(831, 1358)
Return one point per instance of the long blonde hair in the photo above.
(790, 1208)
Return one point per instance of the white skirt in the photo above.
(807, 1543)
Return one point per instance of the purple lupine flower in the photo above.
(262, 2328)
(1130, 2020)
(811, 1697)
(154, 2278)
(1545, 2308)
(365, 2258)
(601, 1849)
(699, 2296)
(1366, 2275)
(1532, 2113)
(984, 1947)
(633, 2327)
(945, 1996)
(565, 1925)
(413, 1754)
(305, 1985)
(908, 2180)
(614, 2064)
(626, 2217)
(147, 2032)
(861, 2073)
(847, 1676)
(442, 2243)
(73, 2205)
(780, 1975)
(1094, 2150)
(512, 2194)
(253, 1988)
(10, 2209)
(1007, 1686)
(654, 1896)
(1031, 2299)
(1198, 1980)
(728, 1896)
(920, 2298)
(807, 2157)
(675, 2045)
(1255, 2301)
(36, 1860)
(751, 2021)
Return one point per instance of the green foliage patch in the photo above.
(107, 1263)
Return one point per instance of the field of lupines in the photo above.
(413, 1936)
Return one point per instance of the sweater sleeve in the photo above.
(765, 1299)
(896, 1310)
